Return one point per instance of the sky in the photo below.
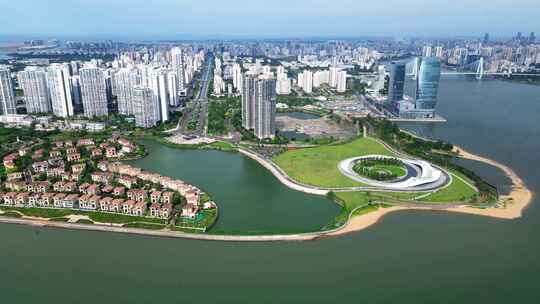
(267, 19)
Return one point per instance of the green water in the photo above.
(409, 257)
(250, 198)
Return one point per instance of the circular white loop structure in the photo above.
(421, 175)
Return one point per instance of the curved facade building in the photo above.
(429, 75)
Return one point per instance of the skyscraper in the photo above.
(145, 106)
(249, 97)
(333, 77)
(178, 65)
(427, 51)
(283, 85)
(305, 81)
(439, 52)
(162, 94)
(265, 126)
(486, 38)
(397, 82)
(59, 83)
(172, 85)
(125, 80)
(427, 87)
(237, 77)
(342, 82)
(34, 84)
(320, 78)
(76, 90)
(94, 92)
(7, 95)
(259, 105)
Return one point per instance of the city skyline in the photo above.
(216, 19)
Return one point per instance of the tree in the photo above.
(331, 195)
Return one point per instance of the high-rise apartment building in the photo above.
(333, 76)
(172, 85)
(125, 79)
(237, 77)
(249, 97)
(283, 85)
(145, 107)
(341, 82)
(265, 126)
(33, 82)
(177, 55)
(305, 81)
(259, 105)
(7, 94)
(94, 92)
(320, 78)
(162, 94)
(427, 51)
(59, 83)
(439, 52)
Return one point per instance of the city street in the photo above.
(197, 109)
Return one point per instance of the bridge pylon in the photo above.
(480, 69)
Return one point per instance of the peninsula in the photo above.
(90, 194)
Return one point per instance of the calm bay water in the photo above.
(410, 257)
(249, 197)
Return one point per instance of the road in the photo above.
(197, 110)
(369, 104)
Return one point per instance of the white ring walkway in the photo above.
(426, 175)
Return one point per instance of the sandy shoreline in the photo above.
(518, 199)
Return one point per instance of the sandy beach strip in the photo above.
(516, 202)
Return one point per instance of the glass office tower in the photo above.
(429, 75)
(397, 82)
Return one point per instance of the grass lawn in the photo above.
(11, 214)
(94, 216)
(120, 219)
(40, 212)
(221, 145)
(458, 191)
(144, 226)
(366, 210)
(350, 201)
(318, 166)
(380, 171)
(398, 171)
(59, 219)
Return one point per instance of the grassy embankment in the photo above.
(217, 145)
(93, 216)
(318, 167)
(458, 191)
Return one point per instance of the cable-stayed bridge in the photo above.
(474, 68)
